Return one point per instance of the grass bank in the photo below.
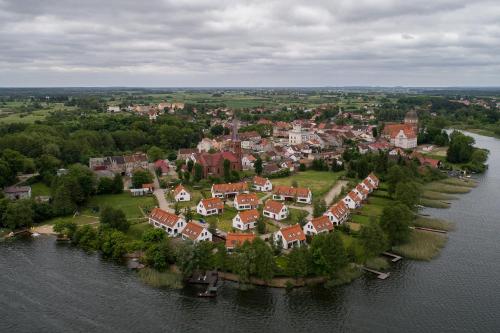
(432, 195)
(423, 245)
(446, 188)
(434, 203)
(157, 279)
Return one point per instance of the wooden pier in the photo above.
(209, 278)
(395, 257)
(430, 229)
(380, 275)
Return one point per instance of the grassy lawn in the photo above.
(39, 189)
(372, 208)
(294, 215)
(136, 230)
(433, 223)
(125, 201)
(432, 195)
(320, 182)
(434, 203)
(223, 221)
(79, 220)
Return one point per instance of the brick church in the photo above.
(213, 164)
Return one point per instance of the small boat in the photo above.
(210, 292)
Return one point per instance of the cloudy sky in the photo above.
(249, 43)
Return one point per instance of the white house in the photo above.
(289, 237)
(275, 210)
(318, 225)
(338, 213)
(373, 180)
(210, 206)
(17, 192)
(234, 240)
(247, 162)
(262, 184)
(361, 191)
(246, 220)
(196, 233)
(171, 223)
(352, 200)
(367, 185)
(299, 194)
(229, 189)
(246, 201)
(180, 194)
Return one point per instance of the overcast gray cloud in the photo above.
(249, 43)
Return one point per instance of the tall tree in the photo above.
(373, 239)
(395, 221)
(258, 166)
(18, 214)
(227, 170)
(114, 218)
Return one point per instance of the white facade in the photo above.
(202, 210)
(182, 196)
(281, 215)
(402, 141)
(298, 135)
(171, 230)
(240, 225)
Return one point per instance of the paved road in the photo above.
(334, 192)
(159, 193)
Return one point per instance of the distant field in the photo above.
(12, 114)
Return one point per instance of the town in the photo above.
(290, 177)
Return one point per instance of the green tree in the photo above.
(117, 184)
(261, 225)
(159, 255)
(298, 263)
(114, 218)
(141, 177)
(62, 202)
(258, 166)
(153, 236)
(112, 244)
(328, 254)
(105, 186)
(460, 148)
(155, 153)
(198, 172)
(86, 237)
(395, 222)
(373, 239)
(227, 170)
(18, 214)
(65, 227)
(319, 208)
(188, 214)
(408, 193)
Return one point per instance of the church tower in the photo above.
(236, 143)
(411, 118)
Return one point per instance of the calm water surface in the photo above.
(49, 288)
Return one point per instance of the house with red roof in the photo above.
(196, 233)
(373, 180)
(361, 192)
(299, 194)
(262, 184)
(244, 201)
(246, 220)
(275, 210)
(318, 225)
(163, 166)
(338, 213)
(352, 200)
(233, 240)
(401, 135)
(229, 189)
(290, 237)
(210, 206)
(181, 194)
(171, 223)
(367, 185)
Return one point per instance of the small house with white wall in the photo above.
(318, 225)
(245, 201)
(210, 206)
(196, 233)
(180, 194)
(352, 200)
(275, 210)
(338, 213)
(171, 223)
(262, 184)
(246, 220)
(290, 237)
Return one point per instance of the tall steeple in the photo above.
(236, 143)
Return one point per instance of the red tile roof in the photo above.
(237, 239)
(178, 189)
(273, 206)
(393, 130)
(247, 198)
(354, 196)
(249, 216)
(192, 230)
(212, 203)
(322, 223)
(339, 209)
(293, 233)
(230, 187)
(164, 217)
(291, 191)
(260, 181)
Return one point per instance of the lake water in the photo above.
(45, 287)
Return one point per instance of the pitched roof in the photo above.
(164, 217)
(368, 184)
(339, 209)
(178, 189)
(192, 230)
(361, 189)
(322, 223)
(393, 130)
(291, 191)
(247, 198)
(260, 181)
(230, 187)
(249, 216)
(211, 203)
(354, 197)
(237, 239)
(273, 206)
(373, 177)
(293, 233)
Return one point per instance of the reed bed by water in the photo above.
(433, 223)
(377, 263)
(157, 279)
(432, 195)
(423, 245)
(459, 182)
(445, 188)
(434, 203)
